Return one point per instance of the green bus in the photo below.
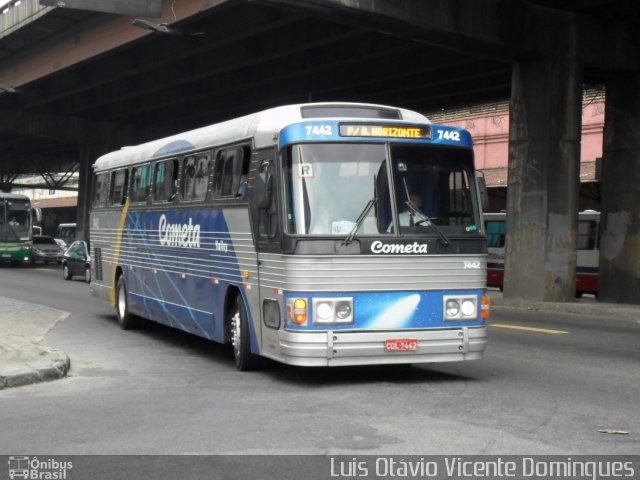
(15, 229)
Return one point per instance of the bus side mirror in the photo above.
(263, 193)
(263, 190)
(267, 197)
(484, 193)
(36, 212)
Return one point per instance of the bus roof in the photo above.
(13, 196)
(261, 127)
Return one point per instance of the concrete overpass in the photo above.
(75, 84)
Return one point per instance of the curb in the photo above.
(49, 364)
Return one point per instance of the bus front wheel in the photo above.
(126, 319)
(240, 340)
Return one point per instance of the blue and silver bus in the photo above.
(324, 234)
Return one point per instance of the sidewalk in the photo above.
(23, 358)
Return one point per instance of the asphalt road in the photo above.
(160, 391)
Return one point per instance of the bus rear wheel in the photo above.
(239, 329)
(126, 319)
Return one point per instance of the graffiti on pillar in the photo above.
(532, 170)
(598, 109)
(560, 247)
(470, 125)
(559, 233)
(616, 226)
(498, 122)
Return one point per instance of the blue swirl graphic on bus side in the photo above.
(329, 131)
(176, 146)
(177, 266)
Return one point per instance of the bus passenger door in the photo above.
(267, 231)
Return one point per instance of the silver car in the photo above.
(45, 249)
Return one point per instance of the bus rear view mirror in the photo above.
(264, 190)
(36, 213)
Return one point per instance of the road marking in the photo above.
(45, 269)
(528, 329)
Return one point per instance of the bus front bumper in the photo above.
(324, 349)
(16, 255)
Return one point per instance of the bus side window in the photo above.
(587, 230)
(496, 233)
(140, 183)
(100, 194)
(164, 185)
(119, 187)
(195, 177)
(232, 169)
(202, 177)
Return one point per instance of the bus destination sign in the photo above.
(387, 131)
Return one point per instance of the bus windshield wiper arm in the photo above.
(359, 221)
(416, 211)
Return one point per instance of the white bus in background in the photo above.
(587, 255)
(66, 232)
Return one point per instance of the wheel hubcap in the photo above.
(121, 302)
(235, 333)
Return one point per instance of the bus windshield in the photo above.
(434, 190)
(330, 186)
(15, 221)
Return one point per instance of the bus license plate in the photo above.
(405, 344)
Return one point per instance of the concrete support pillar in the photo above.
(88, 156)
(619, 279)
(544, 167)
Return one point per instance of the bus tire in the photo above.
(240, 337)
(126, 319)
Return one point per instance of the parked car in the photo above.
(76, 261)
(45, 249)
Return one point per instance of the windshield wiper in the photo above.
(416, 211)
(359, 221)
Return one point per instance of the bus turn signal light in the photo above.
(486, 306)
(300, 311)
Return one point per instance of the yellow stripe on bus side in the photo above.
(116, 255)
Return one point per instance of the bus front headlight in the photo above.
(344, 310)
(452, 308)
(460, 308)
(468, 308)
(324, 311)
(332, 311)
